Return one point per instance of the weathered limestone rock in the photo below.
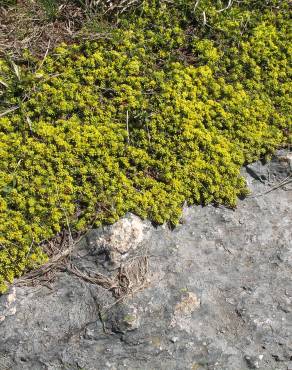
(219, 293)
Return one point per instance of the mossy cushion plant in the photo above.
(161, 112)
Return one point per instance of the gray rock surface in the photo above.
(214, 293)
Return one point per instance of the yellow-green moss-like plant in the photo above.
(162, 111)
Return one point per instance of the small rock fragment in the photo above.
(253, 362)
(188, 304)
(183, 310)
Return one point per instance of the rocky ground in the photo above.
(214, 293)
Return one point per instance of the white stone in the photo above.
(124, 235)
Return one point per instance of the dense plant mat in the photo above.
(161, 110)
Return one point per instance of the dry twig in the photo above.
(281, 184)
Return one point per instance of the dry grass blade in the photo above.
(3, 83)
(131, 277)
(281, 184)
(59, 249)
(27, 27)
(10, 110)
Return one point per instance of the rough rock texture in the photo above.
(218, 294)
